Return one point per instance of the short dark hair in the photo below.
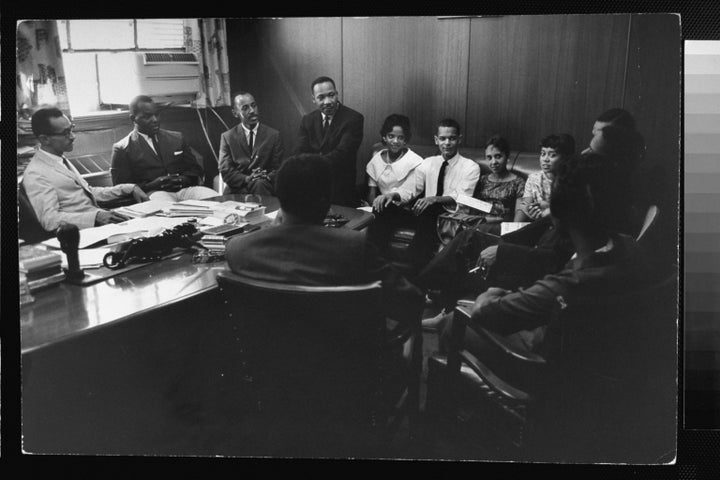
(618, 117)
(562, 143)
(396, 120)
(40, 121)
(500, 143)
(322, 80)
(135, 103)
(449, 122)
(587, 194)
(303, 186)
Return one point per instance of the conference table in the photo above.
(117, 367)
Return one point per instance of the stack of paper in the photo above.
(41, 267)
(191, 208)
(144, 209)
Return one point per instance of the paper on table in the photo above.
(91, 236)
(474, 203)
(507, 227)
(145, 208)
(365, 209)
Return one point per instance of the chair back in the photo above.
(310, 355)
(29, 227)
(610, 393)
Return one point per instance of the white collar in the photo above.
(452, 161)
(52, 156)
(247, 130)
(145, 136)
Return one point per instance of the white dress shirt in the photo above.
(247, 133)
(461, 176)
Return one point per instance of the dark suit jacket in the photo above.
(321, 256)
(235, 161)
(133, 161)
(339, 146)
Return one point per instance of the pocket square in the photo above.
(178, 152)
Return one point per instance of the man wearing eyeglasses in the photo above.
(56, 190)
(335, 132)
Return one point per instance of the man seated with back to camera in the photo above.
(583, 205)
(56, 190)
(158, 160)
(299, 249)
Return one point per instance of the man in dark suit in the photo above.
(251, 152)
(300, 250)
(335, 132)
(157, 160)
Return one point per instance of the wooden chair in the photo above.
(326, 376)
(605, 394)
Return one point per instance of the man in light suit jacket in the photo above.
(54, 187)
(335, 132)
(251, 152)
(158, 160)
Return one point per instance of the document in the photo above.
(144, 209)
(92, 236)
(507, 227)
(474, 203)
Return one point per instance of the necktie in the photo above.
(251, 142)
(156, 144)
(326, 125)
(441, 180)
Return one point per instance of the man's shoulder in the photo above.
(231, 132)
(125, 141)
(350, 113)
(171, 133)
(268, 130)
(468, 162)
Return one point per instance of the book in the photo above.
(32, 258)
(46, 281)
(225, 230)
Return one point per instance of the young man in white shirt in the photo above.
(439, 180)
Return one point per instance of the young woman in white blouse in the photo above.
(393, 165)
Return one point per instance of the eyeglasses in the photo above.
(68, 132)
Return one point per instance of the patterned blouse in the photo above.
(538, 187)
(503, 195)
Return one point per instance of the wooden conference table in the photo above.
(114, 367)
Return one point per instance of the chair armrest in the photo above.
(494, 382)
(463, 314)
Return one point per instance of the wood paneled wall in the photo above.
(277, 59)
(521, 76)
(535, 75)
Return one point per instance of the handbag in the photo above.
(450, 224)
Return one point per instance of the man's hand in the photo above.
(103, 217)
(259, 173)
(422, 204)
(139, 195)
(491, 294)
(173, 183)
(489, 255)
(382, 201)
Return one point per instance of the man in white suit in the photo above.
(55, 188)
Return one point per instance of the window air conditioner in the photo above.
(164, 76)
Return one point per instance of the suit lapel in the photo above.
(260, 137)
(61, 169)
(144, 146)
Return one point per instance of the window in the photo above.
(88, 44)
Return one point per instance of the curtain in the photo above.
(207, 38)
(40, 76)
